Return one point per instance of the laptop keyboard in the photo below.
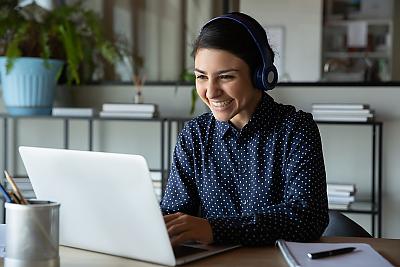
(182, 251)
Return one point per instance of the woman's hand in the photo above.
(182, 228)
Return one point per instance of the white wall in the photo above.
(346, 149)
(302, 23)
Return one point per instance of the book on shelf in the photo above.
(28, 194)
(353, 106)
(348, 118)
(340, 193)
(18, 180)
(73, 112)
(114, 114)
(130, 107)
(340, 200)
(24, 185)
(156, 184)
(337, 206)
(157, 192)
(21, 186)
(342, 112)
(155, 175)
(348, 112)
(341, 187)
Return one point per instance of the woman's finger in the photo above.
(180, 218)
(177, 229)
(172, 216)
(180, 239)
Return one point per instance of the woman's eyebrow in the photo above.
(201, 71)
(218, 72)
(227, 70)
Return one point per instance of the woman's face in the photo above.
(224, 84)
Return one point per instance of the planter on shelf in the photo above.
(29, 87)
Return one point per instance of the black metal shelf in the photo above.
(374, 206)
(350, 122)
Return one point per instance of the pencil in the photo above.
(14, 198)
(15, 189)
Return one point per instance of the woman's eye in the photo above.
(226, 77)
(201, 77)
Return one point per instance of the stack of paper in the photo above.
(340, 196)
(129, 110)
(296, 254)
(342, 112)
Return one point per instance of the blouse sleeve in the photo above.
(181, 192)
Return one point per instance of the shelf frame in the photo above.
(376, 174)
(168, 123)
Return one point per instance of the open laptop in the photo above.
(108, 204)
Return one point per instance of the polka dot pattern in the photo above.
(254, 185)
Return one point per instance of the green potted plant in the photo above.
(37, 43)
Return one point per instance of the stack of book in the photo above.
(342, 112)
(129, 110)
(340, 196)
(156, 179)
(24, 185)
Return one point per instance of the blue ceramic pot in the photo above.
(29, 88)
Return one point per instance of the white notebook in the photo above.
(364, 255)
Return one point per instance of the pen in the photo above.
(328, 253)
(15, 189)
(14, 198)
(6, 196)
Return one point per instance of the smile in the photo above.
(221, 104)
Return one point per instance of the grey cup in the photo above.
(32, 234)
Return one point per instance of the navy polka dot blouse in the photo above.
(254, 185)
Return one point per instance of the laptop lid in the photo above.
(107, 201)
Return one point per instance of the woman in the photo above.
(252, 170)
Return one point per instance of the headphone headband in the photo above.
(265, 76)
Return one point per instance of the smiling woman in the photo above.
(252, 170)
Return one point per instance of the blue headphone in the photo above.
(265, 77)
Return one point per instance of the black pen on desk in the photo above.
(328, 253)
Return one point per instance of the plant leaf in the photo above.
(194, 100)
(13, 50)
(73, 54)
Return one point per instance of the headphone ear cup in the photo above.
(265, 79)
(270, 77)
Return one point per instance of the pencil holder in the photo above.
(32, 234)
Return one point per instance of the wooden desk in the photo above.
(259, 256)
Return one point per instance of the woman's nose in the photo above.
(213, 89)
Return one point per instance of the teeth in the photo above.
(220, 104)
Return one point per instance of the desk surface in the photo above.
(259, 256)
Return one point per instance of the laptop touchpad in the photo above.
(182, 251)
